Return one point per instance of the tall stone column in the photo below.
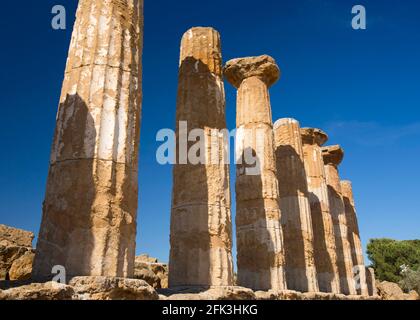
(371, 282)
(324, 240)
(354, 238)
(259, 234)
(90, 208)
(295, 210)
(333, 156)
(201, 227)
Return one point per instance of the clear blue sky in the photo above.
(362, 87)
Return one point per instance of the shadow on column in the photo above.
(256, 250)
(352, 227)
(191, 238)
(290, 187)
(65, 236)
(336, 202)
(324, 264)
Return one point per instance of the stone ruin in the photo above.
(295, 219)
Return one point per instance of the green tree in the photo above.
(388, 256)
(410, 279)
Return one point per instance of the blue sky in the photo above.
(362, 87)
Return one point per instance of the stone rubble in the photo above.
(108, 288)
(15, 249)
(392, 291)
(150, 270)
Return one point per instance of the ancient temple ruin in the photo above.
(296, 223)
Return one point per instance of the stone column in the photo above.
(354, 238)
(201, 227)
(90, 208)
(324, 241)
(259, 234)
(295, 210)
(371, 282)
(333, 156)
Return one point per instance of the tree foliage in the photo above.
(388, 256)
(410, 280)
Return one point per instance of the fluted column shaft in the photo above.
(354, 238)
(371, 282)
(259, 235)
(332, 158)
(323, 230)
(90, 208)
(295, 210)
(201, 227)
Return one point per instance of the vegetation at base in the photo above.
(396, 261)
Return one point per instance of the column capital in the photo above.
(285, 121)
(313, 136)
(333, 155)
(347, 183)
(263, 67)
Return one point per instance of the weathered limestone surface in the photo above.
(15, 237)
(84, 288)
(150, 270)
(354, 238)
(324, 240)
(39, 291)
(21, 268)
(371, 282)
(392, 291)
(111, 288)
(240, 293)
(333, 156)
(295, 210)
(14, 244)
(201, 226)
(214, 293)
(259, 234)
(89, 214)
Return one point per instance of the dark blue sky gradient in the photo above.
(362, 87)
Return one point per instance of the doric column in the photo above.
(201, 227)
(295, 210)
(324, 240)
(359, 268)
(90, 209)
(333, 156)
(259, 235)
(371, 282)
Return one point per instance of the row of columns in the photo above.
(293, 214)
(296, 226)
